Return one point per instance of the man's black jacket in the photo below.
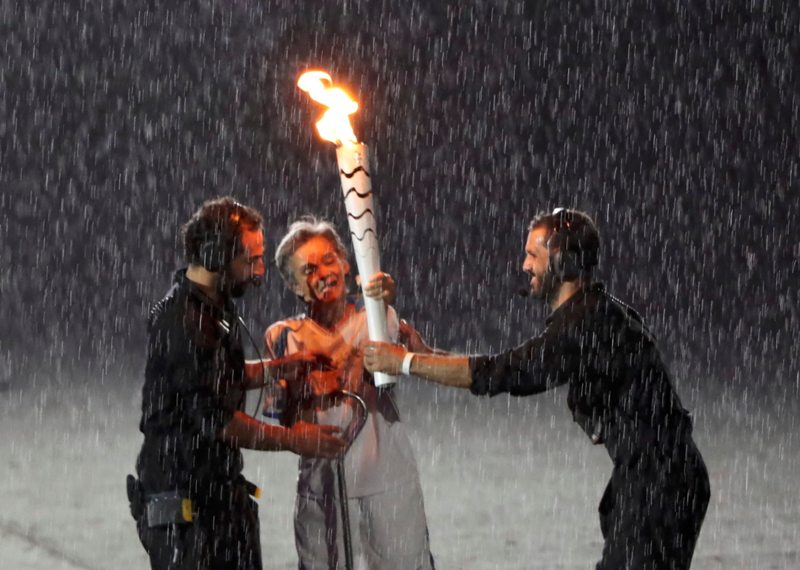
(620, 391)
(193, 386)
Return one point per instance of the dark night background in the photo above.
(674, 124)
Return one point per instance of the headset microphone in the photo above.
(523, 292)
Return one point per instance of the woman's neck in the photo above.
(328, 315)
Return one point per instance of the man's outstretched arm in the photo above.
(541, 363)
(450, 370)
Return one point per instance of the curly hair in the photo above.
(218, 225)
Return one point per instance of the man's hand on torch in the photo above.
(436, 366)
(312, 440)
(383, 357)
(381, 286)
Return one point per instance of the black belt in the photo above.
(176, 506)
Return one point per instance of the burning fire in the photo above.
(334, 126)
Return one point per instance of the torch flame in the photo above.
(334, 126)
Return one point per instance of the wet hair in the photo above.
(298, 234)
(218, 225)
(573, 233)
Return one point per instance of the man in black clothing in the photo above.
(191, 503)
(619, 392)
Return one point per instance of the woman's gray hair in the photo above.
(299, 233)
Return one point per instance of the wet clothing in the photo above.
(193, 386)
(387, 515)
(369, 467)
(225, 538)
(621, 395)
(388, 529)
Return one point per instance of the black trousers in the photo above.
(651, 513)
(219, 539)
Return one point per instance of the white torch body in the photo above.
(353, 162)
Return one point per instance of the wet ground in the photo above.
(508, 483)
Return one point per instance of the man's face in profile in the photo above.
(537, 262)
(249, 264)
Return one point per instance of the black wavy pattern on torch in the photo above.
(358, 169)
(359, 194)
(362, 214)
(366, 231)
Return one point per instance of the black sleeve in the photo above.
(541, 363)
(200, 381)
(188, 379)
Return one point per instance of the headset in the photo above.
(568, 258)
(219, 247)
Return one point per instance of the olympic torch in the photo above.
(353, 161)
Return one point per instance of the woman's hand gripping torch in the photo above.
(353, 160)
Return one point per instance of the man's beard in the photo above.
(548, 286)
(236, 289)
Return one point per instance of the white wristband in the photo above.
(405, 367)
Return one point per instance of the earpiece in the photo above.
(219, 247)
(564, 247)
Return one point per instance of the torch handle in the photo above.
(353, 163)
